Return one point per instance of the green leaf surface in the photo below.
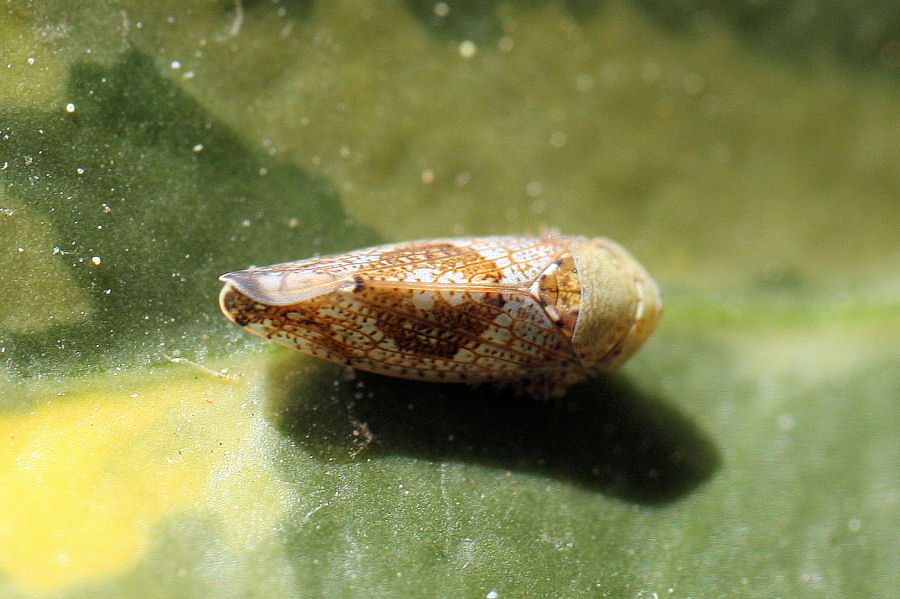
(746, 154)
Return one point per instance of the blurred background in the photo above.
(746, 152)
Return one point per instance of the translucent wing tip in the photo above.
(280, 285)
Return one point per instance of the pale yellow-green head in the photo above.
(620, 304)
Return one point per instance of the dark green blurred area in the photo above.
(149, 182)
(862, 33)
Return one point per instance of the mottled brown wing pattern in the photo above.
(437, 310)
(506, 261)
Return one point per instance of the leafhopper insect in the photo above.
(545, 311)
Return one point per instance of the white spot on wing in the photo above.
(453, 298)
(424, 300)
(493, 253)
(425, 275)
(453, 277)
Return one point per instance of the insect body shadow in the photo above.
(604, 434)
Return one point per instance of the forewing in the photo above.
(427, 335)
(454, 310)
(509, 262)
